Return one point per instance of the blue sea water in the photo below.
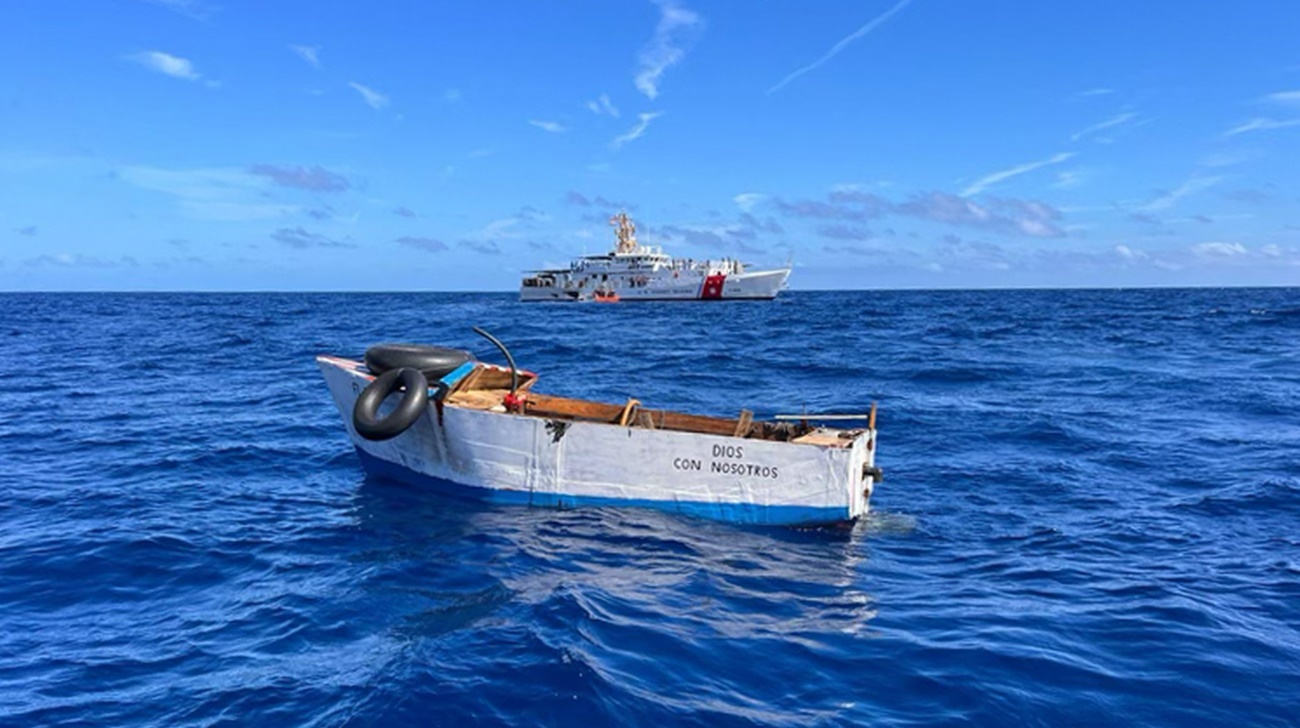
(1091, 515)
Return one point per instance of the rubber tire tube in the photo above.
(434, 362)
(414, 401)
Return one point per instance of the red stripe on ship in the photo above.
(713, 286)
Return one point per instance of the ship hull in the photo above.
(756, 285)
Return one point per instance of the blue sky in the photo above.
(188, 144)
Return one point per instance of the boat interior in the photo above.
(486, 388)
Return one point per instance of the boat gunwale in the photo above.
(610, 414)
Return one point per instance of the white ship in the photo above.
(635, 272)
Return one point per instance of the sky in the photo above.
(420, 145)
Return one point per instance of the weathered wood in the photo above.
(817, 417)
(541, 405)
(744, 423)
(545, 405)
(697, 423)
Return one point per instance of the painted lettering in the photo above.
(728, 451)
(757, 471)
(687, 464)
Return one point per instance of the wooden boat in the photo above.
(481, 430)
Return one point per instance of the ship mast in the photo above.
(625, 229)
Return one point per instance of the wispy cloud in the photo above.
(222, 194)
(1131, 254)
(79, 260)
(484, 247)
(372, 97)
(747, 200)
(405, 212)
(845, 43)
(989, 180)
(312, 179)
(301, 239)
(603, 105)
(1261, 124)
(196, 9)
(29, 231)
(1288, 98)
(1005, 215)
(1069, 178)
(677, 27)
(1167, 200)
(643, 122)
(1094, 92)
(573, 197)
(1110, 123)
(838, 231)
(429, 245)
(310, 54)
(167, 64)
(553, 127)
(1218, 249)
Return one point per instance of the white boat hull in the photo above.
(522, 459)
(686, 286)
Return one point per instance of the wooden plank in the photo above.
(812, 416)
(744, 423)
(697, 423)
(542, 405)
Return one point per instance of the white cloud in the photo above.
(747, 200)
(638, 129)
(1261, 124)
(1069, 178)
(553, 127)
(1219, 250)
(1289, 98)
(987, 181)
(603, 105)
(310, 54)
(845, 43)
(677, 26)
(1128, 253)
(1110, 123)
(1169, 199)
(196, 9)
(166, 63)
(372, 97)
(1095, 92)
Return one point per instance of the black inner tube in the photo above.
(514, 371)
(365, 413)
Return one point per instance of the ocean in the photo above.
(1090, 516)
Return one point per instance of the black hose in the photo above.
(514, 371)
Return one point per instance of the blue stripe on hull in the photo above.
(733, 512)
